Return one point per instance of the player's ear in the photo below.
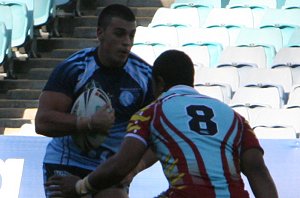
(100, 33)
(161, 85)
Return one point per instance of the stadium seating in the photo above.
(289, 57)
(187, 17)
(248, 111)
(269, 38)
(294, 97)
(241, 57)
(198, 53)
(261, 94)
(284, 117)
(214, 38)
(279, 76)
(232, 19)
(203, 9)
(218, 91)
(291, 4)
(4, 42)
(210, 3)
(43, 11)
(287, 20)
(227, 76)
(253, 3)
(149, 52)
(294, 40)
(275, 132)
(161, 35)
(257, 7)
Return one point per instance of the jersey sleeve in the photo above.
(249, 139)
(139, 124)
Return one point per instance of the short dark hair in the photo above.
(114, 10)
(175, 67)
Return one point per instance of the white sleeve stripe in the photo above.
(137, 137)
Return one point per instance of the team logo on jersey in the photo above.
(128, 97)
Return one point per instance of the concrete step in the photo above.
(14, 122)
(18, 113)
(37, 74)
(45, 62)
(67, 30)
(59, 53)
(22, 84)
(9, 103)
(85, 32)
(25, 94)
(46, 45)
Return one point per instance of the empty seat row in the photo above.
(18, 21)
(230, 85)
(284, 4)
(272, 123)
(231, 17)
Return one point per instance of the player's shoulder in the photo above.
(137, 61)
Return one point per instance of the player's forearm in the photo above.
(262, 184)
(55, 124)
(109, 173)
(148, 160)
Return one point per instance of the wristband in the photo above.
(84, 123)
(83, 187)
(88, 185)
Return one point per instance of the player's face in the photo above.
(116, 41)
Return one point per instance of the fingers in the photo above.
(54, 180)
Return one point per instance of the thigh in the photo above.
(113, 192)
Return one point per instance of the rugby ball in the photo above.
(87, 104)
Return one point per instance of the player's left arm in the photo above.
(109, 173)
(117, 167)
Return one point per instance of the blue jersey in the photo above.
(129, 89)
(198, 140)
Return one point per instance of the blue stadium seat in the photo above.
(203, 9)
(270, 96)
(287, 20)
(199, 54)
(269, 38)
(163, 35)
(291, 4)
(210, 3)
(243, 57)
(6, 35)
(187, 17)
(43, 10)
(29, 4)
(4, 42)
(61, 2)
(232, 19)
(294, 40)
(253, 3)
(6, 18)
(257, 7)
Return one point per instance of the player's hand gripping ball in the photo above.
(86, 105)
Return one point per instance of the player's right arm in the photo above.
(258, 175)
(254, 167)
(54, 120)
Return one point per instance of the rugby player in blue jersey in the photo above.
(110, 66)
(202, 144)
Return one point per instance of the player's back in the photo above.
(198, 141)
